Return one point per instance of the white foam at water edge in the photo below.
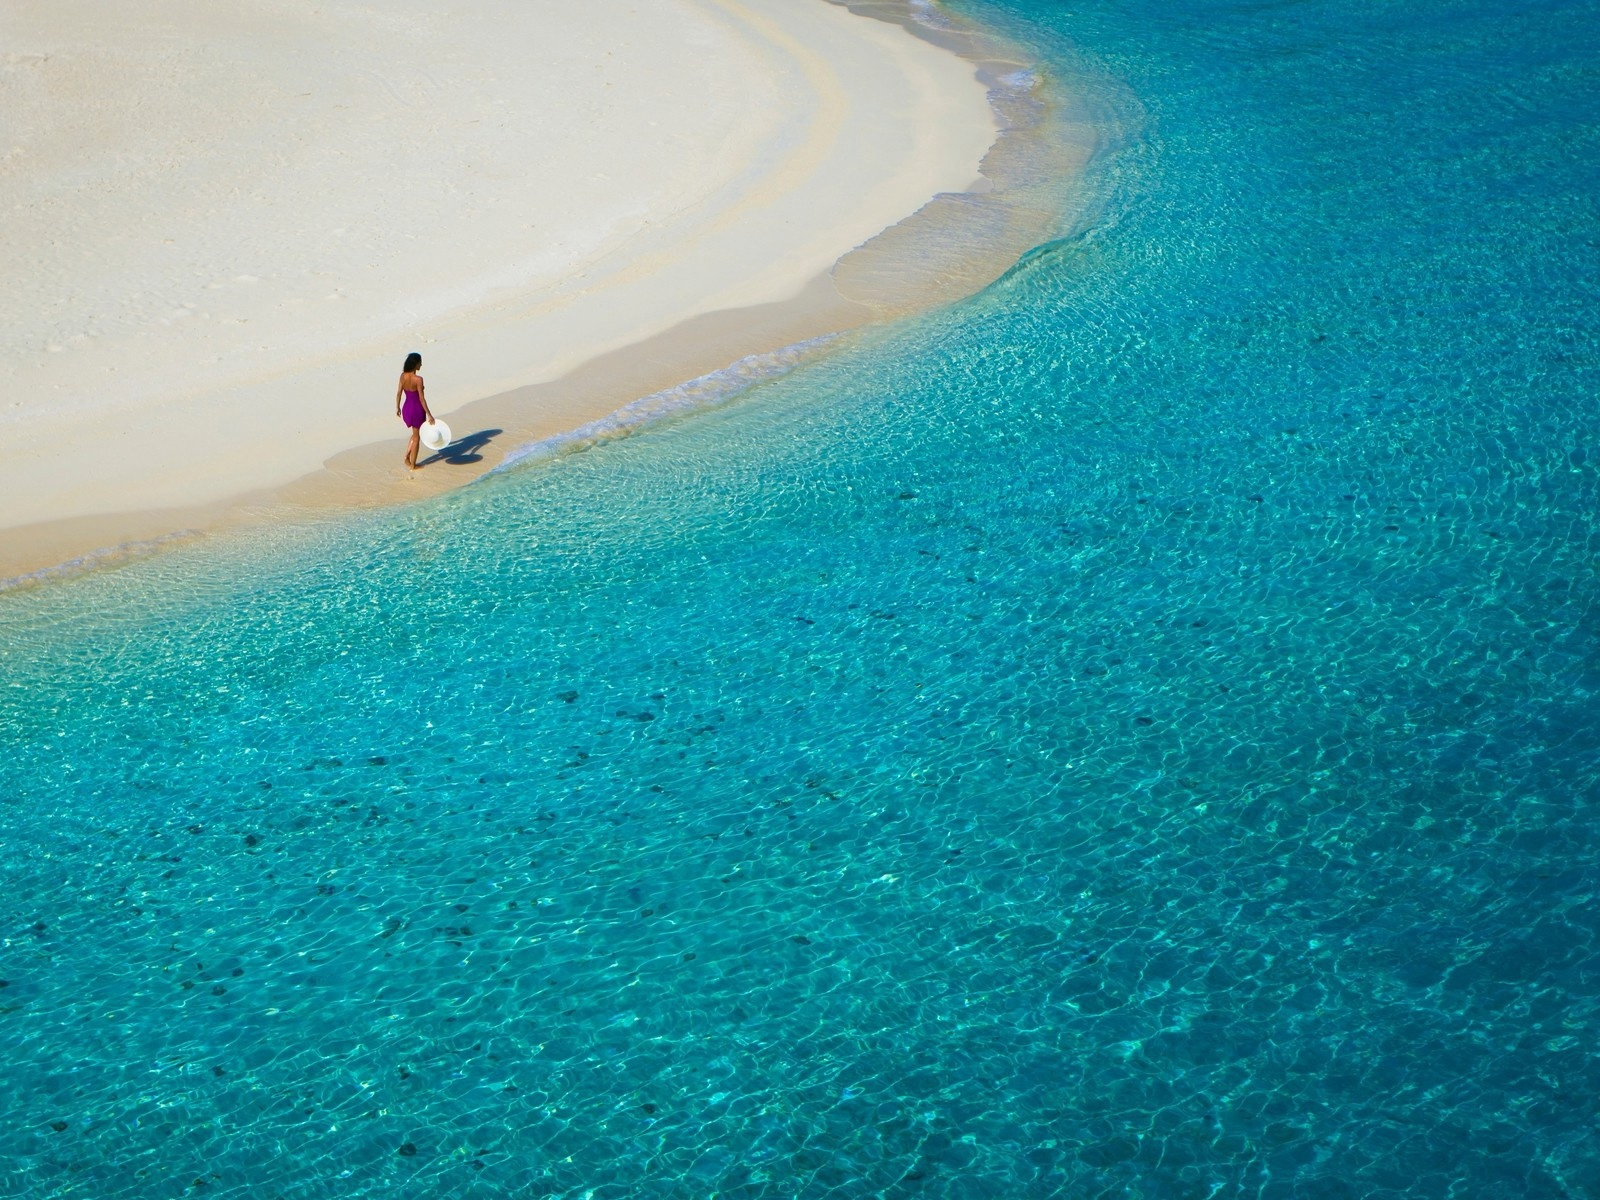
(926, 12)
(718, 387)
(1015, 99)
(1023, 79)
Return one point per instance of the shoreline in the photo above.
(951, 247)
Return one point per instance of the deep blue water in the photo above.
(1130, 734)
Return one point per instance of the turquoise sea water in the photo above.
(1131, 734)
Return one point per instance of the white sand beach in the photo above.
(224, 226)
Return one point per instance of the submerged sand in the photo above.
(229, 226)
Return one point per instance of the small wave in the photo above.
(107, 556)
(718, 387)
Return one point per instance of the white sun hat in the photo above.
(435, 436)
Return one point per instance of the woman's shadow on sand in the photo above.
(464, 451)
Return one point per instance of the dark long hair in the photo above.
(413, 361)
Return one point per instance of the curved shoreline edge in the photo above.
(952, 247)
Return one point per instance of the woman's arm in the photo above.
(422, 394)
(399, 391)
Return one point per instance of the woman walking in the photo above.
(411, 404)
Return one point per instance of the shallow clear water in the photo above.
(1131, 734)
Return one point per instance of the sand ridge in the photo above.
(229, 225)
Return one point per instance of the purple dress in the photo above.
(411, 411)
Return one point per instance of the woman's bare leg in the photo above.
(411, 450)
